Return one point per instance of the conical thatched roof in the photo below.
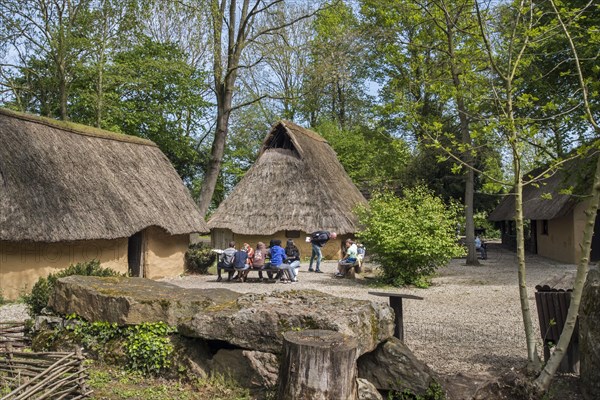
(297, 183)
(62, 182)
(551, 196)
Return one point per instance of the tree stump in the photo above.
(317, 365)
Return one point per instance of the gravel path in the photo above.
(13, 312)
(469, 321)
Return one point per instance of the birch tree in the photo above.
(509, 55)
(567, 17)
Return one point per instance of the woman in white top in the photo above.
(350, 260)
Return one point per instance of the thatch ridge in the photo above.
(76, 128)
(542, 199)
(301, 186)
(60, 185)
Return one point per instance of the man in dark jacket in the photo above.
(318, 240)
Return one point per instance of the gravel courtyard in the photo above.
(469, 321)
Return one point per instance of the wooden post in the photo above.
(318, 365)
(396, 304)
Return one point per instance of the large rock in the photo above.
(249, 321)
(367, 391)
(129, 301)
(392, 366)
(250, 369)
(589, 335)
(257, 321)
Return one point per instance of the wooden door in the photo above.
(220, 238)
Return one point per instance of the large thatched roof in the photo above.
(551, 196)
(297, 183)
(62, 181)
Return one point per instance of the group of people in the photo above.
(285, 261)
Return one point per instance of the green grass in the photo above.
(112, 383)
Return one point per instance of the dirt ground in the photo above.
(468, 327)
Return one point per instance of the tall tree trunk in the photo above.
(100, 92)
(469, 220)
(543, 380)
(224, 100)
(533, 359)
(466, 140)
(62, 91)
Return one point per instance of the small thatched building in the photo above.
(295, 187)
(71, 193)
(554, 207)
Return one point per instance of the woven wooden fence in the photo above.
(13, 335)
(43, 376)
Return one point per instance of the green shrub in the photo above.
(147, 347)
(199, 258)
(40, 293)
(410, 237)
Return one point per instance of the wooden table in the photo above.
(396, 304)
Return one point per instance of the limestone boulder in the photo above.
(257, 321)
(129, 301)
(250, 369)
(589, 335)
(392, 366)
(367, 391)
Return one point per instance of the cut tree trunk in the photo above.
(318, 365)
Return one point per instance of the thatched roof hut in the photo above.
(546, 198)
(296, 185)
(554, 204)
(63, 182)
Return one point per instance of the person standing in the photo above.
(318, 240)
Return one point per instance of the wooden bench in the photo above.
(230, 271)
(396, 304)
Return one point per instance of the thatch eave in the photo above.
(77, 129)
(122, 234)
